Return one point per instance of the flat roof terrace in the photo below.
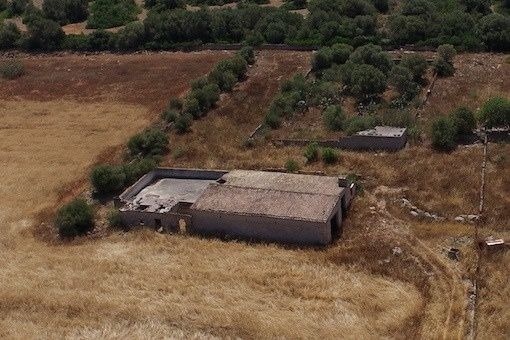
(163, 194)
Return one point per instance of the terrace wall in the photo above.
(360, 143)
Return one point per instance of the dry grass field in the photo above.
(387, 277)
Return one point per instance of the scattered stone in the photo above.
(459, 219)
(454, 254)
(473, 217)
(414, 213)
(396, 251)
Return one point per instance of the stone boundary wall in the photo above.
(358, 143)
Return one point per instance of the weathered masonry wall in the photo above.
(159, 173)
(168, 221)
(260, 228)
(360, 143)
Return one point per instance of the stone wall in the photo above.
(356, 142)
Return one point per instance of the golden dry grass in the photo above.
(152, 284)
(45, 146)
(143, 284)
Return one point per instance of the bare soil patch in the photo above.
(148, 79)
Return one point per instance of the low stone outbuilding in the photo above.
(255, 205)
(272, 206)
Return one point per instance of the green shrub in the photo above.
(329, 156)
(130, 37)
(372, 55)
(446, 52)
(495, 113)
(137, 168)
(3, 5)
(322, 59)
(108, 179)
(291, 165)
(152, 142)
(111, 13)
(417, 64)
(75, 218)
(114, 219)
(312, 152)
(366, 82)
(191, 107)
(12, 69)
(175, 104)
(273, 120)
(65, 11)
(248, 53)
(44, 34)
(225, 80)
(9, 35)
(443, 68)
(334, 118)
(170, 115)
(183, 123)
(464, 120)
(18, 7)
(444, 134)
(401, 78)
(100, 40)
(360, 123)
(340, 53)
(443, 65)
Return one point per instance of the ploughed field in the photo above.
(387, 276)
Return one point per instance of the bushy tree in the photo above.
(9, 35)
(165, 4)
(446, 52)
(322, 59)
(100, 40)
(65, 11)
(495, 32)
(495, 113)
(464, 120)
(3, 5)
(183, 123)
(381, 5)
(248, 53)
(444, 134)
(443, 64)
(417, 64)
(137, 168)
(366, 81)
(18, 7)
(74, 219)
(44, 34)
(334, 118)
(152, 142)
(372, 55)
(131, 37)
(401, 78)
(340, 53)
(111, 13)
(107, 179)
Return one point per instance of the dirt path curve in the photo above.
(446, 308)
